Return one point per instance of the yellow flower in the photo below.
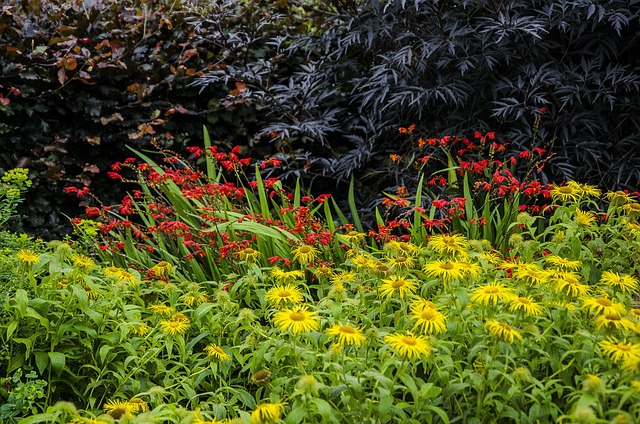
(585, 190)
(352, 236)
(162, 268)
(248, 254)
(401, 286)
(631, 365)
(570, 284)
(620, 351)
(83, 262)
(323, 271)
(139, 405)
(565, 193)
(619, 197)
(585, 219)
(428, 320)
(502, 331)
(453, 245)
(623, 283)
(491, 293)
(446, 270)
(563, 263)
(83, 420)
(141, 330)
(602, 305)
(346, 334)
(400, 262)
(215, 351)
(525, 305)
(195, 298)
(632, 209)
(593, 384)
(400, 248)
(613, 321)
(408, 345)
(304, 254)
(281, 295)
(267, 413)
(282, 276)
(118, 408)
(28, 256)
(161, 310)
(362, 261)
(297, 320)
(120, 274)
(174, 327)
(531, 274)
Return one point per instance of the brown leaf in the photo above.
(94, 141)
(109, 119)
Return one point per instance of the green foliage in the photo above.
(23, 395)
(13, 184)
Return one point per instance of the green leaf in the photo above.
(42, 361)
(57, 362)
(352, 207)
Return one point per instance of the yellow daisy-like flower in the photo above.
(602, 305)
(281, 295)
(623, 283)
(585, 219)
(118, 408)
(525, 305)
(162, 310)
(400, 263)
(304, 254)
(141, 330)
(619, 197)
(446, 270)
(162, 268)
(248, 254)
(491, 294)
(428, 320)
(120, 274)
(408, 345)
(195, 299)
(344, 277)
(346, 334)
(267, 413)
(620, 351)
(297, 320)
(452, 245)
(83, 262)
(585, 190)
(531, 274)
(563, 263)
(400, 248)
(613, 321)
(352, 236)
(362, 261)
(215, 351)
(138, 405)
(632, 209)
(397, 285)
(28, 256)
(631, 365)
(282, 276)
(565, 193)
(323, 271)
(570, 285)
(174, 327)
(502, 331)
(635, 312)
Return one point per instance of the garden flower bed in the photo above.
(204, 297)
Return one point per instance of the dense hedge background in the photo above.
(329, 82)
